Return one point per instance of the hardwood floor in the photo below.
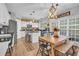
(23, 48)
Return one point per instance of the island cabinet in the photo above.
(3, 48)
(35, 37)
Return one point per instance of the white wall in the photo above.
(4, 16)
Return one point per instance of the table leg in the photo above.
(52, 50)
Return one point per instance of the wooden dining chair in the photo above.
(44, 48)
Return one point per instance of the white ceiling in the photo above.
(41, 9)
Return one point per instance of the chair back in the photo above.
(41, 41)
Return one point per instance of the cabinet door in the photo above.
(35, 37)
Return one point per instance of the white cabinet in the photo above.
(3, 48)
(35, 37)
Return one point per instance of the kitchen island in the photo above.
(3, 47)
(32, 35)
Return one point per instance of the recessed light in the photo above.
(30, 14)
(33, 11)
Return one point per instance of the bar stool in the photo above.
(44, 48)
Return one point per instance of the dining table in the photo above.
(54, 41)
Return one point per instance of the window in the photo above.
(69, 27)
